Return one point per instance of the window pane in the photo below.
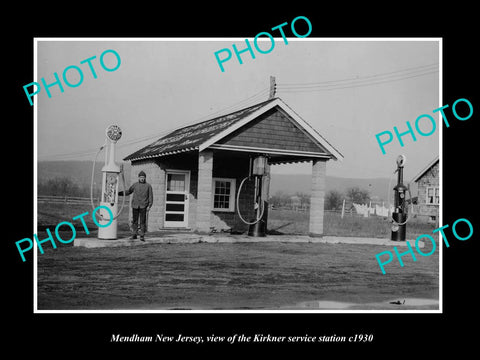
(221, 196)
(429, 199)
(174, 217)
(176, 182)
(175, 207)
(175, 197)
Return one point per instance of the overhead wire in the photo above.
(241, 104)
(328, 85)
(353, 85)
(238, 105)
(360, 81)
(415, 68)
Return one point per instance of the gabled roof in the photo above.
(424, 170)
(205, 134)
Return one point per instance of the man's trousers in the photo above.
(139, 214)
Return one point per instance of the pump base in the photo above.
(258, 230)
(398, 231)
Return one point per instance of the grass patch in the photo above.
(291, 222)
(287, 222)
(50, 214)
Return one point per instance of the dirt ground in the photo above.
(233, 276)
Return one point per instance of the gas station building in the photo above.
(196, 171)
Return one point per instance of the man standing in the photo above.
(141, 203)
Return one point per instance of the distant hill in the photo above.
(377, 187)
(81, 171)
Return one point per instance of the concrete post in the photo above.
(156, 215)
(319, 171)
(204, 191)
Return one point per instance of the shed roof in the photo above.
(205, 134)
(425, 169)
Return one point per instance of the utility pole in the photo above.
(273, 87)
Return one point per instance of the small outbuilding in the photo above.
(428, 185)
(195, 171)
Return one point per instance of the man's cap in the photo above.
(142, 173)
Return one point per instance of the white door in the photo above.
(176, 198)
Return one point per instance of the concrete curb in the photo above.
(196, 238)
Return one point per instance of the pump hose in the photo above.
(238, 207)
(91, 186)
(411, 202)
(123, 196)
(93, 175)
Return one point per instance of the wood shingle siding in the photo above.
(427, 178)
(272, 130)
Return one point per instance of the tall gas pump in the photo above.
(259, 172)
(400, 216)
(110, 181)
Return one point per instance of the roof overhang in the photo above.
(335, 154)
(269, 151)
(326, 150)
(425, 169)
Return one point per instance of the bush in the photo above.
(333, 200)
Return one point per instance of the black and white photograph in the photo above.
(223, 179)
(261, 187)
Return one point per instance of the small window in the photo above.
(223, 194)
(176, 182)
(433, 195)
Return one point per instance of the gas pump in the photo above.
(400, 216)
(258, 171)
(110, 179)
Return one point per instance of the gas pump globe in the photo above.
(110, 180)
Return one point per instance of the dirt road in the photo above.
(229, 276)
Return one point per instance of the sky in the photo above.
(349, 90)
